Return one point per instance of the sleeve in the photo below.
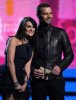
(67, 50)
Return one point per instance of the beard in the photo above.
(44, 21)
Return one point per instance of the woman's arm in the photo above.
(27, 69)
(10, 58)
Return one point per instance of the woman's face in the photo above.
(29, 29)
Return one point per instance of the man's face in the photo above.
(46, 15)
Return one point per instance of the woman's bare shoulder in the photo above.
(13, 41)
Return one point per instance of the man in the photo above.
(48, 64)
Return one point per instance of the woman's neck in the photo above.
(24, 41)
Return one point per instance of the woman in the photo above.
(19, 54)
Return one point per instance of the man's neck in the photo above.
(43, 24)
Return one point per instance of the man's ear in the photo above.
(37, 15)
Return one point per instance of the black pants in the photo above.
(54, 89)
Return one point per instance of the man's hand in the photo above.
(56, 70)
(38, 73)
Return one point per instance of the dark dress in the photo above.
(23, 54)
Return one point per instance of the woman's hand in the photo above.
(18, 88)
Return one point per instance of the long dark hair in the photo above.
(21, 30)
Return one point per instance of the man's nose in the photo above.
(48, 15)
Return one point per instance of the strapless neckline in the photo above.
(22, 45)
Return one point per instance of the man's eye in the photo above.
(44, 13)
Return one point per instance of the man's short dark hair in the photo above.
(40, 6)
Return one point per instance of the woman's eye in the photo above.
(28, 26)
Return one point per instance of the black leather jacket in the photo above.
(51, 43)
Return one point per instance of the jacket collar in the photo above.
(43, 29)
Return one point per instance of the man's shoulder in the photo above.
(57, 28)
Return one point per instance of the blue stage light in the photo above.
(70, 86)
(70, 97)
(69, 73)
